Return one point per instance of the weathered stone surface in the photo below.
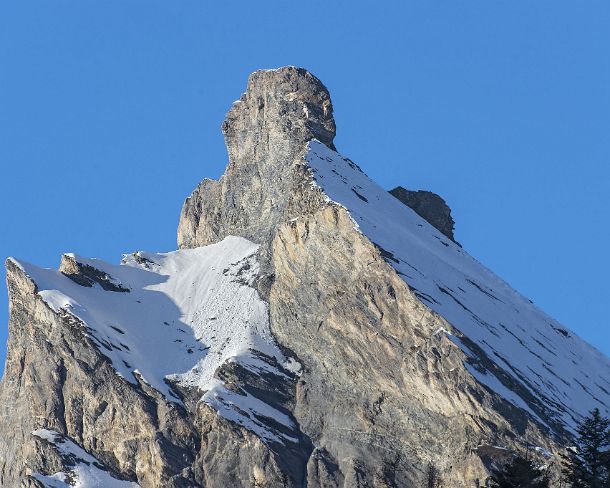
(86, 275)
(56, 378)
(266, 132)
(429, 206)
(381, 393)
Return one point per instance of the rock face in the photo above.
(266, 132)
(429, 206)
(338, 341)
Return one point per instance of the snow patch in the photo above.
(293, 366)
(187, 313)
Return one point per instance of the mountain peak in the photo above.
(287, 103)
(266, 133)
(313, 330)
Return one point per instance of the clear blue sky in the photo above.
(110, 114)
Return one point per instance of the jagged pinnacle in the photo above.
(284, 103)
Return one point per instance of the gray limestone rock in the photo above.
(266, 132)
(380, 393)
(360, 404)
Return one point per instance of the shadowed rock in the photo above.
(429, 206)
(86, 275)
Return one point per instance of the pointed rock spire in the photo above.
(266, 182)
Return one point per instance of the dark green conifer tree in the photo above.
(519, 473)
(587, 463)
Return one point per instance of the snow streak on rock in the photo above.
(184, 315)
(513, 347)
(85, 470)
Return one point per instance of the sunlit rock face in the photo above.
(311, 330)
(266, 132)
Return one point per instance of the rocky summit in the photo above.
(312, 330)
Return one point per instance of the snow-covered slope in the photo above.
(184, 314)
(540, 365)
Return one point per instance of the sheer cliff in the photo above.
(312, 330)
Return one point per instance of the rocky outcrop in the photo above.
(56, 378)
(87, 275)
(264, 185)
(384, 393)
(429, 206)
(383, 385)
(380, 391)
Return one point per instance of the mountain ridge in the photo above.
(372, 344)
